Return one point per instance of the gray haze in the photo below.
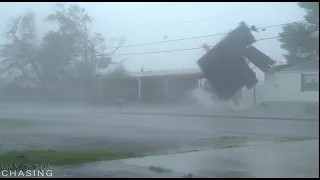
(179, 122)
(149, 22)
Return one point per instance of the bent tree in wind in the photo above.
(301, 40)
(73, 50)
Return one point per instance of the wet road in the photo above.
(290, 159)
(85, 130)
(298, 159)
(163, 134)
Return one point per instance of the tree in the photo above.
(23, 54)
(20, 53)
(119, 71)
(76, 22)
(55, 55)
(72, 50)
(301, 40)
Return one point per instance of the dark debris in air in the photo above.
(225, 66)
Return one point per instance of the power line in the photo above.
(156, 52)
(196, 37)
(281, 24)
(176, 50)
(182, 39)
(186, 49)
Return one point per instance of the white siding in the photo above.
(286, 86)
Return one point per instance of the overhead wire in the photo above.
(177, 50)
(197, 37)
(184, 49)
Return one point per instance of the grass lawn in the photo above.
(9, 123)
(52, 158)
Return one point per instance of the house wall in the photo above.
(179, 87)
(112, 89)
(167, 88)
(283, 90)
(286, 86)
(152, 89)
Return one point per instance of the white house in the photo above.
(292, 88)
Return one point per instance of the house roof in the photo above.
(310, 65)
(194, 71)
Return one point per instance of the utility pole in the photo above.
(254, 96)
(98, 76)
(254, 90)
(99, 87)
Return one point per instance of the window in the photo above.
(310, 82)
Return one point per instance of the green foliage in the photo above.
(16, 160)
(312, 9)
(300, 40)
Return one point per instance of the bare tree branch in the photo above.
(114, 51)
(102, 54)
(13, 30)
(15, 26)
(119, 62)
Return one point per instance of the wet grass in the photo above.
(9, 123)
(19, 160)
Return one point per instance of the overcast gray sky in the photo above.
(149, 22)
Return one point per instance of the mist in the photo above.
(151, 89)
